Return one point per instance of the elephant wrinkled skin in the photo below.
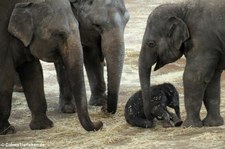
(30, 31)
(194, 29)
(162, 96)
(101, 24)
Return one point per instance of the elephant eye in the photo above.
(152, 44)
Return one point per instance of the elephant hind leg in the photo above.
(31, 77)
(95, 71)
(212, 102)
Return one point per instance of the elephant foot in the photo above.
(177, 122)
(105, 109)
(192, 123)
(213, 121)
(167, 124)
(98, 100)
(8, 130)
(41, 122)
(67, 106)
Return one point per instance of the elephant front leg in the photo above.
(5, 108)
(66, 100)
(31, 77)
(212, 102)
(95, 71)
(193, 95)
(6, 89)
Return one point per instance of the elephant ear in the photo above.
(177, 31)
(21, 23)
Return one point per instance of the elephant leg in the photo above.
(5, 108)
(193, 95)
(95, 71)
(212, 102)
(175, 119)
(198, 74)
(66, 100)
(31, 77)
(6, 89)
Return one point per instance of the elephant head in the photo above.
(50, 31)
(106, 19)
(163, 42)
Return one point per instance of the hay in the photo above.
(116, 133)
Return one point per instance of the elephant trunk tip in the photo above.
(98, 125)
(95, 127)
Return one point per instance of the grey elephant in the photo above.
(162, 96)
(101, 24)
(196, 30)
(45, 30)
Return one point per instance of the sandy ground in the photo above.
(116, 133)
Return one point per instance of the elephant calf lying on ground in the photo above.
(162, 96)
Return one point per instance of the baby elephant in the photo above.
(162, 95)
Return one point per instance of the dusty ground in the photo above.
(67, 131)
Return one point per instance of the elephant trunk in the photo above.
(113, 51)
(72, 57)
(146, 60)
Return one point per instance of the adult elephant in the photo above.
(194, 29)
(101, 24)
(33, 31)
